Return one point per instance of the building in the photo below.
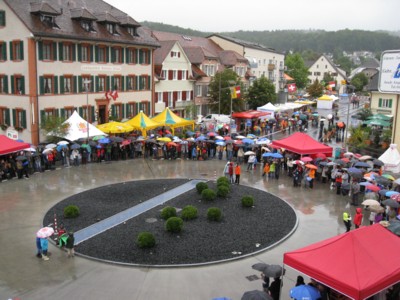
(61, 56)
(206, 58)
(263, 61)
(370, 67)
(323, 66)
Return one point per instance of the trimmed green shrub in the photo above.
(189, 212)
(71, 211)
(222, 191)
(214, 214)
(208, 195)
(168, 212)
(174, 224)
(201, 186)
(145, 240)
(222, 180)
(247, 201)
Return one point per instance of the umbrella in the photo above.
(125, 143)
(30, 149)
(372, 187)
(331, 163)
(220, 143)
(354, 170)
(306, 159)
(297, 162)
(320, 155)
(164, 139)
(361, 164)
(45, 232)
(47, 150)
(50, 146)
(256, 295)
(365, 157)
(218, 137)
(388, 176)
(251, 136)
(248, 141)
(305, 292)
(263, 141)
(394, 226)
(172, 144)
(21, 157)
(265, 149)
(92, 143)
(116, 139)
(310, 166)
(276, 155)
(75, 146)
(382, 180)
(395, 197)
(249, 153)
(378, 162)
(62, 143)
(201, 138)
(340, 162)
(190, 139)
(355, 175)
(391, 203)
(85, 146)
(267, 154)
(98, 137)
(376, 208)
(211, 134)
(260, 267)
(391, 193)
(274, 271)
(323, 163)
(104, 141)
(348, 154)
(370, 202)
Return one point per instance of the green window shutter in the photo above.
(140, 52)
(57, 113)
(127, 110)
(113, 110)
(113, 55)
(60, 51)
(92, 113)
(11, 51)
(40, 50)
(149, 57)
(148, 82)
(108, 83)
(14, 114)
(96, 49)
(380, 102)
(96, 80)
(5, 84)
(390, 103)
(137, 88)
(41, 85)
(92, 49)
(80, 84)
(107, 54)
(2, 18)
(148, 108)
(23, 85)
(55, 84)
(127, 56)
(123, 55)
(4, 50)
(43, 117)
(112, 83)
(92, 84)
(21, 43)
(23, 119)
(62, 112)
(61, 84)
(122, 83)
(7, 116)
(81, 111)
(75, 83)
(73, 48)
(123, 111)
(79, 52)
(12, 85)
(54, 51)
(126, 82)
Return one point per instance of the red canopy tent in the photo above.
(250, 114)
(358, 264)
(302, 143)
(8, 145)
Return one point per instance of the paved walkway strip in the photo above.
(123, 216)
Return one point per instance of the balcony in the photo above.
(271, 67)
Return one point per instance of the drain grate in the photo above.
(252, 277)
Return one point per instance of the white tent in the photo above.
(391, 159)
(268, 107)
(78, 128)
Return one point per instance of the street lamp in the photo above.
(86, 83)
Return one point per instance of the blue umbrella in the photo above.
(365, 183)
(248, 141)
(104, 141)
(75, 146)
(190, 133)
(267, 154)
(60, 147)
(354, 170)
(276, 155)
(362, 164)
(220, 143)
(201, 138)
(304, 292)
(390, 193)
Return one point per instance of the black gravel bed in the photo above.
(103, 202)
(242, 231)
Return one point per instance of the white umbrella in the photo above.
(348, 154)
(249, 153)
(240, 137)
(45, 232)
(50, 146)
(370, 202)
(30, 149)
(62, 143)
(47, 150)
(218, 137)
(265, 149)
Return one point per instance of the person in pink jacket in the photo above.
(358, 217)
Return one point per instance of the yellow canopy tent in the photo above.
(325, 98)
(143, 123)
(169, 119)
(115, 127)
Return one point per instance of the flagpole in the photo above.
(87, 82)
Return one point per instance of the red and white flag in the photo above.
(291, 87)
(332, 84)
(235, 92)
(113, 94)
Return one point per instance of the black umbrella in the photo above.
(92, 143)
(20, 157)
(260, 267)
(116, 139)
(382, 180)
(274, 271)
(391, 203)
(394, 226)
(378, 162)
(323, 163)
(256, 295)
(361, 164)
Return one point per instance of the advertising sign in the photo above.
(389, 76)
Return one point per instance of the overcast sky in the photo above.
(233, 15)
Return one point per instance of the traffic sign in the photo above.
(389, 76)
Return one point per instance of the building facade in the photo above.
(57, 57)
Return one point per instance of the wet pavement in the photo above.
(24, 202)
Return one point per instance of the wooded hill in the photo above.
(300, 40)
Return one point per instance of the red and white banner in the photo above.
(291, 87)
(332, 84)
(113, 94)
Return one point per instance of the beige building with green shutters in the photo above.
(56, 57)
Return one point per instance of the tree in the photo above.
(359, 81)
(222, 84)
(344, 63)
(315, 90)
(55, 125)
(297, 69)
(261, 92)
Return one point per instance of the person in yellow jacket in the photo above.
(347, 220)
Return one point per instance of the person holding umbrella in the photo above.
(354, 191)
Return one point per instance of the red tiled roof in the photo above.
(161, 53)
(231, 58)
(197, 72)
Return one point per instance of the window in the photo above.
(67, 52)
(317, 73)
(4, 115)
(175, 54)
(17, 50)
(164, 74)
(3, 84)
(175, 75)
(117, 111)
(86, 83)
(131, 82)
(239, 71)
(132, 31)
(145, 107)
(179, 96)
(184, 74)
(132, 109)
(170, 99)
(68, 111)
(198, 90)
(131, 57)
(2, 18)
(87, 25)
(111, 28)
(48, 51)
(144, 56)
(102, 54)
(3, 51)
(17, 85)
(317, 66)
(385, 103)
(116, 55)
(144, 82)
(49, 21)
(101, 83)
(67, 86)
(188, 94)
(19, 118)
(85, 53)
(159, 97)
(48, 84)
(117, 83)
(209, 70)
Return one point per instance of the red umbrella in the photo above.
(320, 155)
(306, 159)
(211, 133)
(227, 138)
(395, 197)
(238, 142)
(310, 166)
(340, 124)
(345, 159)
(172, 144)
(372, 187)
(125, 142)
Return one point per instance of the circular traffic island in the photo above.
(240, 231)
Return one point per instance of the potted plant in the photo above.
(18, 128)
(4, 126)
(386, 138)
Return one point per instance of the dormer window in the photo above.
(175, 54)
(132, 31)
(111, 28)
(49, 21)
(87, 25)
